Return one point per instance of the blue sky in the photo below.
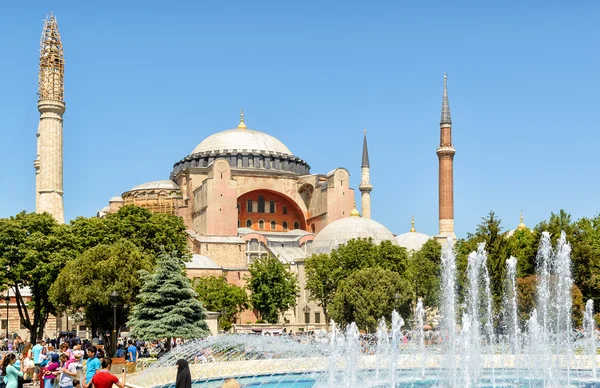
(147, 81)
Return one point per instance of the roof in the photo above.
(343, 230)
(412, 241)
(215, 239)
(287, 254)
(165, 184)
(116, 198)
(237, 140)
(201, 262)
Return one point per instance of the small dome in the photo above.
(105, 209)
(156, 185)
(412, 241)
(343, 230)
(239, 139)
(116, 198)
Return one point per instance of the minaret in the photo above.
(49, 162)
(445, 154)
(365, 183)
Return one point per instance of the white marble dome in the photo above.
(343, 230)
(238, 140)
(412, 241)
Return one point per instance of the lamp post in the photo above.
(114, 296)
(306, 311)
(7, 300)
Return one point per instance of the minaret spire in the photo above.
(445, 154)
(365, 184)
(49, 162)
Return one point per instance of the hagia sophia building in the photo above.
(242, 194)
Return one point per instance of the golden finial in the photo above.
(354, 212)
(241, 125)
(412, 224)
(521, 223)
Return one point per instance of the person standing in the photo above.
(131, 356)
(68, 371)
(103, 379)
(184, 377)
(38, 352)
(91, 367)
(9, 370)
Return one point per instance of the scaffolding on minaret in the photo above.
(52, 62)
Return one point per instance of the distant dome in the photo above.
(239, 139)
(343, 230)
(157, 185)
(412, 241)
(116, 198)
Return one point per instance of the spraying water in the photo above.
(420, 312)
(448, 308)
(590, 334)
(511, 314)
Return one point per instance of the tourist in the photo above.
(184, 377)
(230, 383)
(39, 353)
(103, 379)
(10, 372)
(28, 365)
(51, 371)
(92, 366)
(131, 356)
(67, 372)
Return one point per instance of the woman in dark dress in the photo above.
(184, 377)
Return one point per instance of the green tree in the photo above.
(33, 250)
(168, 306)
(585, 254)
(218, 295)
(523, 244)
(85, 284)
(324, 272)
(274, 289)
(369, 294)
(423, 271)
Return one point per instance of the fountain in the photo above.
(470, 352)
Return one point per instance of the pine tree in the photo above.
(167, 304)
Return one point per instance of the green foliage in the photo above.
(218, 295)
(369, 294)
(33, 250)
(87, 282)
(274, 289)
(325, 272)
(585, 254)
(167, 304)
(523, 244)
(424, 272)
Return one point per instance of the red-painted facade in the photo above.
(277, 210)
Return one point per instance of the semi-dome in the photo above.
(238, 140)
(343, 230)
(157, 185)
(116, 198)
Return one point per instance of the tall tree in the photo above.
(33, 250)
(218, 295)
(423, 272)
(85, 284)
(325, 272)
(168, 306)
(368, 295)
(274, 289)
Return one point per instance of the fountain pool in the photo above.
(472, 351)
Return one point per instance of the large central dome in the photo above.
(240, 139)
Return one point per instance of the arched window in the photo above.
(261, 162)
(248, 223)
(261, 224)
(285, 210)
(238, 208)
(272, 207)
(239, 160)
(273, 225)
(249, 206)
(239, 223)
(296, 225)
(250, 161)
(261, 204)
(271, 162)
(284, 225)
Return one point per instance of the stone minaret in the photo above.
(49, 162)
(445, 154)
(365, 183)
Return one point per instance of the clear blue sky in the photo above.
(146, 81)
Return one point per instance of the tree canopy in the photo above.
(423, 272)
(274, 289)
(218, 295)
(369, 294)
(168, 306)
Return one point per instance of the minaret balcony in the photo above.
(445, 150)
(365, 187)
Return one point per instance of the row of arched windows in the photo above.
(273, 224)
(261, 205)
(262, 162)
